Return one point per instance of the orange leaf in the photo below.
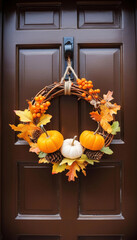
(26, 130)
(82, 166)
(72, 171)
(95, 116)
(113, 108)
(34, 148)
(105, 125)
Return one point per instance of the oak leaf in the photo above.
(26, 130)
(95, 116)
(108, 97)
(25, 116)
(72, 171)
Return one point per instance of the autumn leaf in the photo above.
(26, 131)
(68, 161)
(89, 161)
(105, 125)
(106, 150)
(34, 148)
(115, 127)
(43, 160)
(25, 116)
(113, 108)
(72, 171)
(95, 116)
(57, 168)
(108, 97)
(82, 166)
(45, 118)
(42, 155)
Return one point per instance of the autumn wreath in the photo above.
(50, 146)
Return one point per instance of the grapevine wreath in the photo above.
(50, 146)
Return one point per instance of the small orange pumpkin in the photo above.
(50, 141)
(92, 141)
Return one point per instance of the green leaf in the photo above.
(45, 118)
(42, 155)
(115, 128)
(57, 168)
(68, 161)
(91, 161)
(25, 116)
(106, 150)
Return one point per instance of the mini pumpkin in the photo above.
(71, 148)
(91, 140)
(50, 141)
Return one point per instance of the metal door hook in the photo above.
(68, 53)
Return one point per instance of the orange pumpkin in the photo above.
(50, 142)
(91, 141)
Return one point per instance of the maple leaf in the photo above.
(106, 150)
(113, 108)
(44, 119)
(95, 116)
(72, 171)
(26, 130)
(108, 97)
(34, 148)
(115, 127)
(25, 116)
(57, 168)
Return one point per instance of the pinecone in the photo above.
(54, 157)
(93, 155)
(36, 134)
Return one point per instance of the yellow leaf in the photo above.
(105, 125)
(25, 116)
(68, 161)
(43, 160)
(45, 118)
(57, 168)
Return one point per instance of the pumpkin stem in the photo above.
(97, 129)
(72, 144)
(44, 130)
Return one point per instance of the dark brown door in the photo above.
(35, 204)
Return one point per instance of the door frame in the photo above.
(1, 88)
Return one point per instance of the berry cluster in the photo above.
(39, 107)
(89, 93)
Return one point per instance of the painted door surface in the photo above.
(35, 204)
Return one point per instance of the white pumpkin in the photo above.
(71, 148)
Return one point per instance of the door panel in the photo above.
(35, 204)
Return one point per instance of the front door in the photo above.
(35, 204)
